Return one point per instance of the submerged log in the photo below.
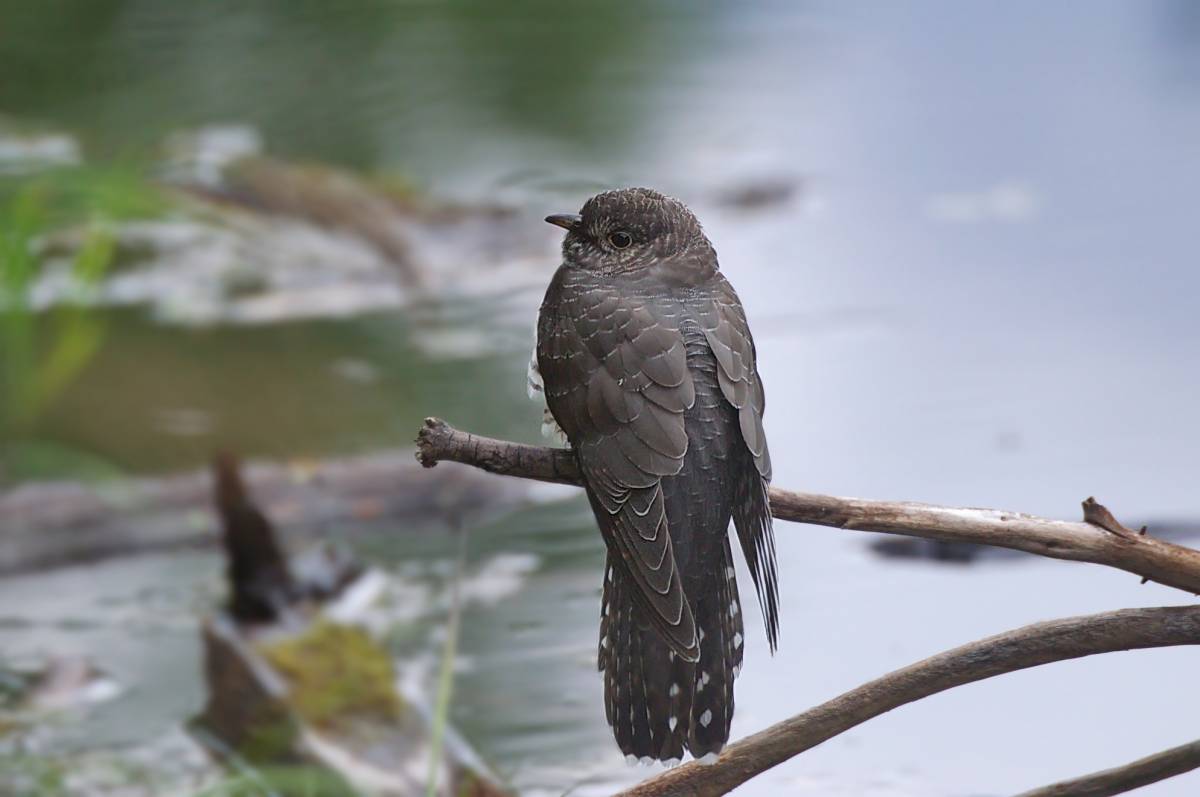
(325, 700)
(260, 581)
(288, 686)
(52, 524)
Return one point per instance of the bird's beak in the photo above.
(568, 221)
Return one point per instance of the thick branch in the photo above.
(1041, 643)
(1099, 538)
(1128, 777)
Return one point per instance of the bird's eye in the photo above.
(620, 239)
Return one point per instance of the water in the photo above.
(282, 390)
(980, 292)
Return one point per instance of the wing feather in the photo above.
(728, 336)
(732, 345)
(617, 382)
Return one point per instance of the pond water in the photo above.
(972, 281)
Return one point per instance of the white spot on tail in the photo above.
(631, 759)
(708, 759)
(701, 634)
(706, 718)
(704, 679)
(645, 760)
(603, 641)
(729, 573)
(674, 690)
(671, 723)
(737, 669)
(737, 640)
(734, 608)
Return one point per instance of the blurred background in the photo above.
(965, 235)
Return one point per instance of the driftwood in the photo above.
(51, 524)
(1099, 538)
(290, 684)
(260, 580)
(254, 714)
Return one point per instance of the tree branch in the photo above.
(438, 441)
(1133, 775)
(1099, 538)
(1033, 645)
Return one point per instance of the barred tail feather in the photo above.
(719, 619)
(658, 704)
(647, 692)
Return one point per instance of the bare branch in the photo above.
(1033, 645)
(1099, 538)
(438, 441)
(1128, 777)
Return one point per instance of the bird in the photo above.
(646, 363)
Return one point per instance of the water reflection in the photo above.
(279, 391)
(379, 84)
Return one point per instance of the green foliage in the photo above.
(534, 67)
(441, 714)
(270, 739)
(31, 774)
(75, 194)
(41, 354)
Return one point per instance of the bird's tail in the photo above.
(657, 704)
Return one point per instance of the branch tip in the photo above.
(1097, 514)
(427, 443)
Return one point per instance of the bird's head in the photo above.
(633, 228)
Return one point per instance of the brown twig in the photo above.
(1099, 538)
(1134, 775)
(1098, 515)
(1033, 645)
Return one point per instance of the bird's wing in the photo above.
(728, 335)
(617, 382)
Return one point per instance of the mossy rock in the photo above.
(336, 673)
